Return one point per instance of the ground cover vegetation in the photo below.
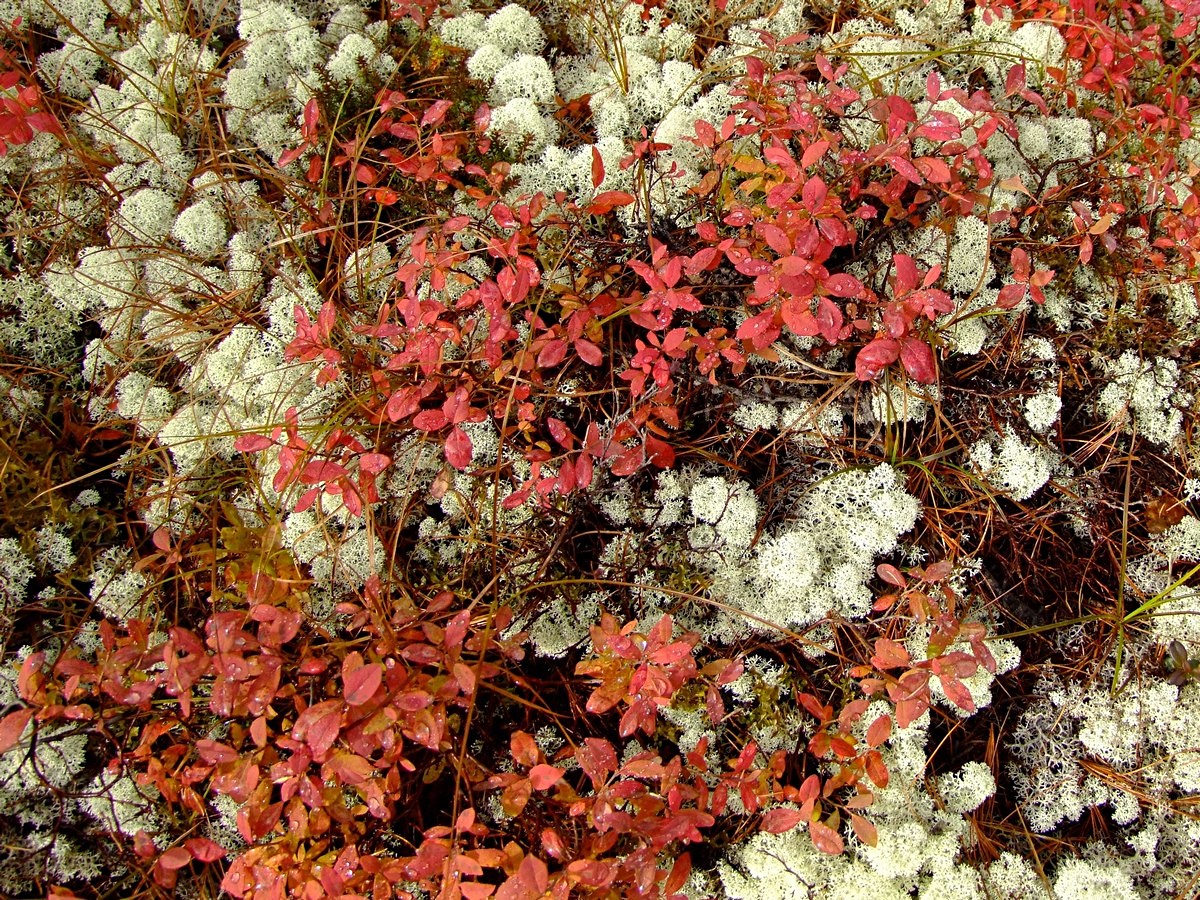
(687, 448)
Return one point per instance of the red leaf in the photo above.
(252, 443)
(906, 169)
(458, 448)
(933, 86)
(1010, 296)
(679, 874)
(597, 759)
(908, 711)
(552, 354)
(320, 471)
(385, 196)
(1020, 264)
(658, 452)
(543, 776)
(760, 330)
(362, 683)
(843, 285)
(776, 238)
(938, 571)
(552, 843)
(535, 874)
(813, 152)
(706, 135)
(957, 693)
(205, 850)
(482, 118)
(402, 403)
(516, 498)
(324, 731)
(12, 726)
(781, 819)
(824, 67)
(597, 167)
(504, 216)
(373, 463)
(891, 575)
(289, 156)
(714, 705)
(347, 768)
(312, 114)
(820, 745)
(821, 713)
(917, 357)
(797, 317)
(255, 822)
(436, 113)
(175, 858)
(907, 276)
(213, 752)
(704, 259)
(584, 471)
(731, 672)
(1015, 80)
(589, 352)
(861, 800)
(851, 713)
(143, 846)
(875, 357)
(456, 629)
(29, 681)
(829, 319)
(814, 193)
(628, 462)
(429, 419)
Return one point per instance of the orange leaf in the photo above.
(934, 169)
(879, 731)
(523, 748)
(515, 796)
(597, 168)
(826, 839)
(865, 830)
(889, 655)
(348, 768)
(876, 770)
(606, 202)
(781, 819)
